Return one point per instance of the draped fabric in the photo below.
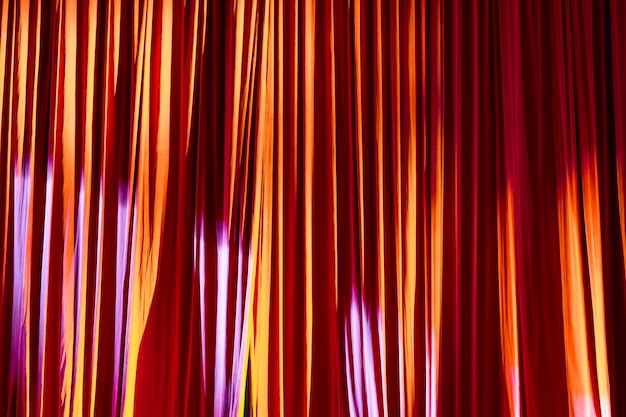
(297, 207)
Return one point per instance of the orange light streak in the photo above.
(381, 210)
(576, 353)
(333, 135)
(7, 197)
(281, 206)
(398, 220)
(433, 294)
(410, 227)
(508, 297)
(236, 130)
(309, 68)
(621, 175)
(593, 238)
(69, 160)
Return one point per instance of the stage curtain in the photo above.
(313, 208)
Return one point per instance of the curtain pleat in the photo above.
(291, 207)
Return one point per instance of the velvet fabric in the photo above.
(322, 208)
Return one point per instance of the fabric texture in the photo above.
(322, 208)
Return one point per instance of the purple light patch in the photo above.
(21, 199)
(45, 263)
(223, 252)
(121, 263)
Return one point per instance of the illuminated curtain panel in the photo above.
(298, 207)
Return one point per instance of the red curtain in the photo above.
(291, 207)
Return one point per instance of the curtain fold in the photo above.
(291, 207)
